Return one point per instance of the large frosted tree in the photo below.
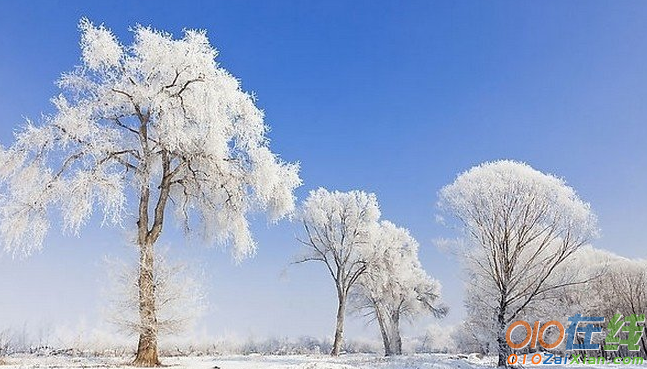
(141, 131)
(339, 231)
(395, 286)
(522, 226)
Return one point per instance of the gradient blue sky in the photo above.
(390, 97)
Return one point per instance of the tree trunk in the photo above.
(147, 348)
(339, 330)
(147, 355)
(383, 330)
(504, 350)
(396, 340)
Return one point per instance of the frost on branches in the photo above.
(339, 229)
(395, 285)
(374, 264)
(618, 285)
(523, 225)
(601, 284)
(158, 122)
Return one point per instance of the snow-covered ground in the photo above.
(355, 361)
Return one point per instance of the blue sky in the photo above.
(390, 97)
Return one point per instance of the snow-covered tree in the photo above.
(522, 225)
(618, 285)
(395, 286)
(339, 228)
(583, 277)
(139, 129)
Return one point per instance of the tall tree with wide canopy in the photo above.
(138, 130)
(522, 226)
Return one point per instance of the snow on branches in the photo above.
(375, 264)
(159, 119)
(523, 225)
(395, 285)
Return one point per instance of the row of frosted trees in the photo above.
(601, 284)
(373, 263)
(157, 128)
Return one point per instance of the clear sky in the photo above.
(390, 97)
